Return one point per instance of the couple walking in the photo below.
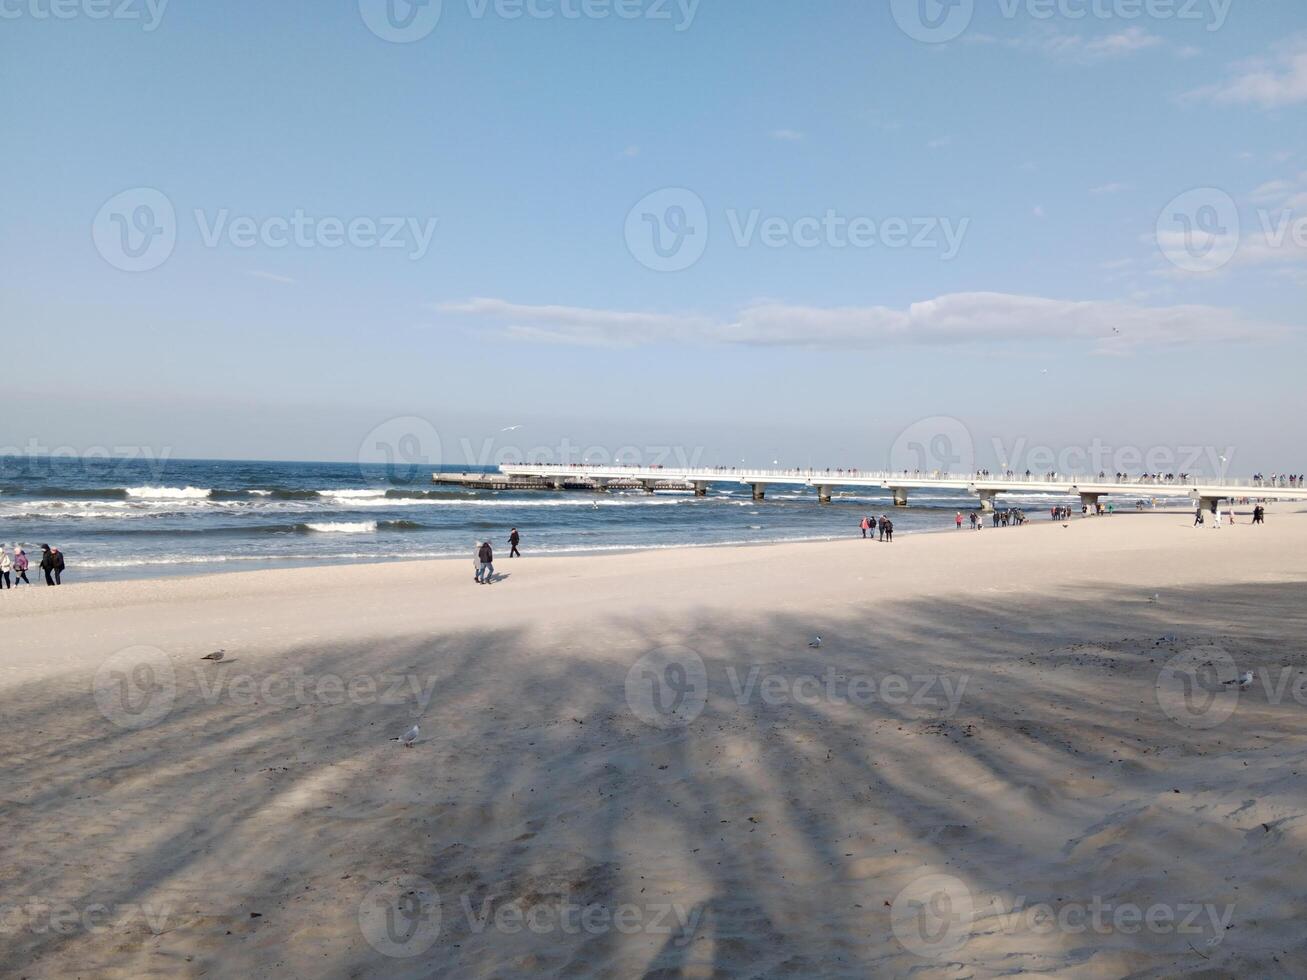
(15, 565)
(484, 562)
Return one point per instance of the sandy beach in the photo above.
(1013, 753)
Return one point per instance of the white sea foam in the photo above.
(344, 527)
(168, 493)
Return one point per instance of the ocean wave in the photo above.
(168, 493)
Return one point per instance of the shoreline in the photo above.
(164, 570)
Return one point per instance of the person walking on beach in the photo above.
(20, 566)
(486, 555)
(959, 520)
(865, 526)
(887, 531)
(6, 566)
(47, 564)
(513, 539)
(1198, 517)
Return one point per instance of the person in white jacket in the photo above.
(6, 566)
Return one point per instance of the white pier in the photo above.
(1204, 492)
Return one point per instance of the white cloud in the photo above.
(940, 142)
(1112, 188)
(1075, 47)
(959, 318)
(1269, 83)
(787, 135)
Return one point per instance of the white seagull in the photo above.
(511, 428)
(410, 736)
(1244, 680)
(815, 642)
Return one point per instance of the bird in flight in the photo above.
(511, 428)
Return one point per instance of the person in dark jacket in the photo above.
(513, 539)
(58, 557)
(487, 558)
(47, 564)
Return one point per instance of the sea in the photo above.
(136, 518)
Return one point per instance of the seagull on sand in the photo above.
(815, 642)
(215, 656)
(1244, 680)
(410, 736)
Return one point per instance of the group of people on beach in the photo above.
(13, 567)
(484, 560)
(870, 525)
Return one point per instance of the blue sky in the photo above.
(1010, 270)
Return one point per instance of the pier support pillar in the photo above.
(900, 496)
(560, 484)
(987, 498)
(700, 488)
(823, 494)
(759, 491)
(1090, 501)
(649, 485)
